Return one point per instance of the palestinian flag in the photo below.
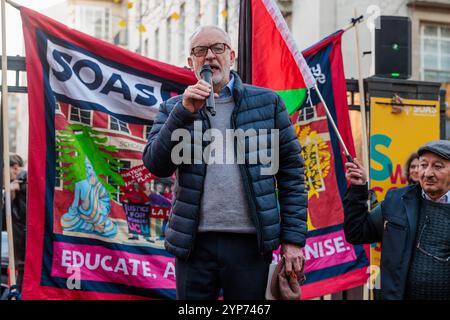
(269, 46)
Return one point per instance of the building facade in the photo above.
(430, 22)
(160, 29)
(170, 23)
(103, 19)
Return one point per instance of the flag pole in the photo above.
(353, 23)
(347, 154)
(349, 158)
(12, 3)
(362, 102)
(244, 59)
(365, 148)
(6, 172)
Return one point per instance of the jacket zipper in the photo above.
(249, 188)
(197, 221)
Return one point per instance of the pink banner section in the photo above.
(327, 250)
(85, 262)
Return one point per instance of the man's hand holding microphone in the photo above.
(195, 96)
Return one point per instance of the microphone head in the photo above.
(206, 68)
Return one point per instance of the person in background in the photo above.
(413, 225)
(19, 189)
(168, 193)
(412, 168)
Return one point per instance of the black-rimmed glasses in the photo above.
(216, 48)
(427, 221)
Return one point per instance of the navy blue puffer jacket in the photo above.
(256, 108)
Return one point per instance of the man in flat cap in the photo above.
(413, 225)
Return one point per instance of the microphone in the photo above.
(206, 74)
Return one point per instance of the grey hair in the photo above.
(202, 28)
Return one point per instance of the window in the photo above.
(146, 47)
(80, 115)
(223, 15)
(435, 53)
(147, 131)
(169, 40)
(95, 21)
(13, 120)
(215, 12)
(118, 125)
(125, 166)
(146, 6)
(182, 33)
(156, 44)
(197, 13)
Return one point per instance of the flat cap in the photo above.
(438, 147)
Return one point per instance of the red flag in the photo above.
(276, 61)
(91, 106)
(332, 264)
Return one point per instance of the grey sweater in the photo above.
(224, 206)
(428, 277)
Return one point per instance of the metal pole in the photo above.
(365, 148)
(362, 103)
(12, 3)
(354, 22)
(6, 172)
(347, 154)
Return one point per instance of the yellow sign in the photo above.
(396, 132)
(398, 128)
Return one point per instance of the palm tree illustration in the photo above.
(79, 141)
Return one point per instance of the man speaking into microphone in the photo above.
(226, 218)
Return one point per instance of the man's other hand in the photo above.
(293, 257)
(355, 173)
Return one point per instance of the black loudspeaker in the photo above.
(393, 47)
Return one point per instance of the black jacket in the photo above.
(393, 223)
(19, 219)
(256, 108)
